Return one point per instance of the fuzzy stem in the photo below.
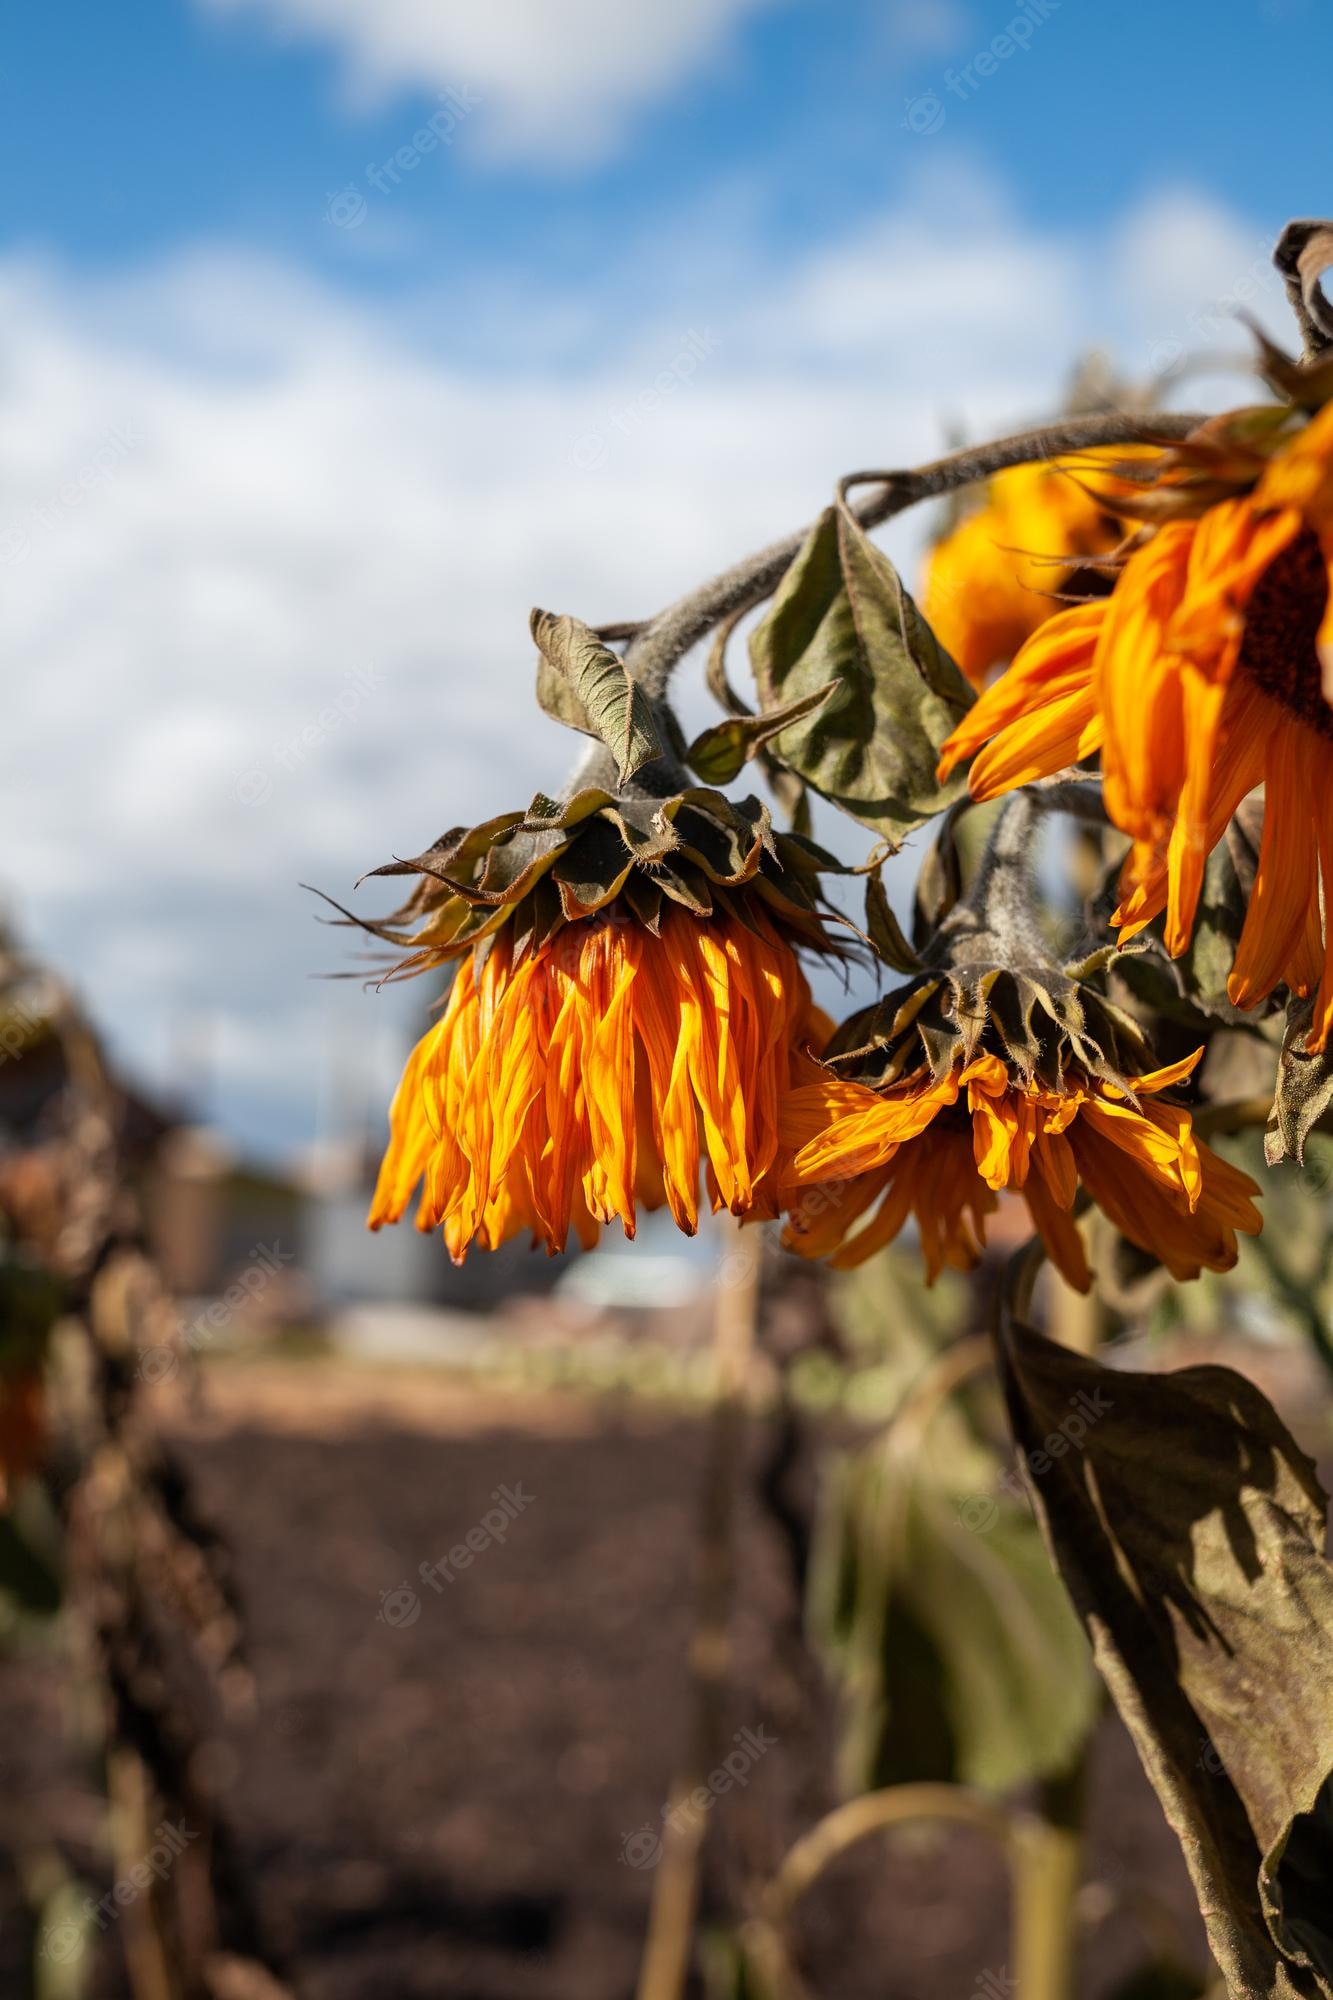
(1304, 251)
(666, 639)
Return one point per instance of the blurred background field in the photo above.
(301, 415)
(451, 1780)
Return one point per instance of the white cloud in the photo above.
(1187, 268)
(265, 570)
(560, 81)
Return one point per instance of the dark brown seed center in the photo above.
(1281, 625)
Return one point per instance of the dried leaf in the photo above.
(884, 930)
(1189, 1529)
(1304, 1089)
(583, 684)
(841, 614)
(719, 753)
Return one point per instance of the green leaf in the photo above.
(719, 753)
(583, 684)
(960, 1659)
(841, 614)
(1189, 1529)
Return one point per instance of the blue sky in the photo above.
(289, 447)
(236, 121)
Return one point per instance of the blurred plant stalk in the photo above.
(667, 1948)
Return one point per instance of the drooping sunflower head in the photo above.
(997, 575)
(623, 1020)
(996, 1069)
(1207, 672)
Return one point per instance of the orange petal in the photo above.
(1055, 662)
(1285, 880)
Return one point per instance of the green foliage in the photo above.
(841, 615)
(951, 1637)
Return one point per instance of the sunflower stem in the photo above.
(997, 918)
(1302, 253)
(667, 1948)
(664, 640)
(1047, 1870)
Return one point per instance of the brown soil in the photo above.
(443, 1808)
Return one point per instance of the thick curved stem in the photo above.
(666, 639)
(1303, 253)
(898, 1805)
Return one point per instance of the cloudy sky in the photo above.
(334, 335)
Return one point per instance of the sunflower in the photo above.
(992, 580)
(1207, 672)
(942, 1148)
(623, 1021)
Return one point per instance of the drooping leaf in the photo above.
(1189, 1529)
(1304, 1089)
(884, 930)
(718, 754)
(959, 1657)
(841, 614)
(939, 881)
(583, 684)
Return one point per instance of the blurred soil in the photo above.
(444, 1807)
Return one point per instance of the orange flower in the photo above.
(991, 582)
(566, 1084)
(943, 1149)
(1207, 672)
